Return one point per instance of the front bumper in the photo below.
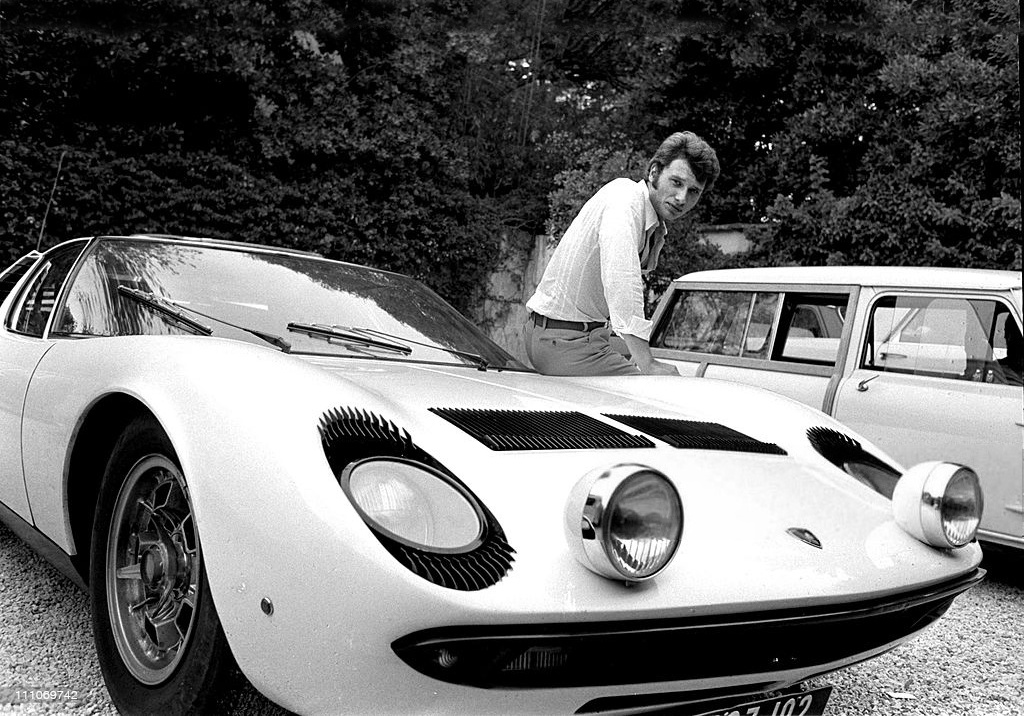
(805, 640)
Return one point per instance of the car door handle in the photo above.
(884, 355)
(863, 385)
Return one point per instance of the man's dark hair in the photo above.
(697, 153)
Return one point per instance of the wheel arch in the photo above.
(93, 443)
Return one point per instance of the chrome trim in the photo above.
(587, 529)
(933, 496)
(1005, 540)
(804, 535)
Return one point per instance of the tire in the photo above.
(160, 644)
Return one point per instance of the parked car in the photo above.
(324, 473)
(924, 362)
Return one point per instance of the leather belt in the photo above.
(545, 322)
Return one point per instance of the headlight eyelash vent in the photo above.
(842, 451)
(348, 435)
(364, 434)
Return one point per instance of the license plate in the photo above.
(804, 703)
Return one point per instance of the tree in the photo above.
(308, 123)
(927, 157)
(411, 135)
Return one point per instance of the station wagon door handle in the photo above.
(884, 355)
(863, 385)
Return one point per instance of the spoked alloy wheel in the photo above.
(158, 638)
(153, 569)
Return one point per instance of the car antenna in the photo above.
(53, 191)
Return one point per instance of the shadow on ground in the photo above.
(1004, 565)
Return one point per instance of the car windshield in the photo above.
(266, 291)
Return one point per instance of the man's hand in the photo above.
(640, 352)
(656, 367)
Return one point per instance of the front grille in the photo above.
(348, 435)
(581, 654)
(697, 435)
(539, 430)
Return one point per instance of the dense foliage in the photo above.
(413, 134)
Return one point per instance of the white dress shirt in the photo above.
(595, 272)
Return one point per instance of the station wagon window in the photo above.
(810, 328)
(743, 324)
(37, 300)
(956, 338)
(732, 323)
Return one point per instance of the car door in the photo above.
(22, 346)
(930, 385)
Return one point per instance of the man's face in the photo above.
(674, 190)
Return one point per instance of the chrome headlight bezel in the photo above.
(924, 500)
(589, 515)
(455, 490)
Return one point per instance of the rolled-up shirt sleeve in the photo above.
(620, 240)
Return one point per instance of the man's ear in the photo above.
(653, 171)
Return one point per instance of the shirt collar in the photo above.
(651, 219)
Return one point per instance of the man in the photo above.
(594, 276)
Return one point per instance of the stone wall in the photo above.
(502, 313)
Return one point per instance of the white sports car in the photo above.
(324, 473)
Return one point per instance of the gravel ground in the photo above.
(971, 663)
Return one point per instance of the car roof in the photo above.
(225, 243)
(216, 242)
(903, 276)
(174, 238)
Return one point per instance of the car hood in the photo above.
(427, 385)
(740, 506)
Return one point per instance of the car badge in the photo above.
(805, 536)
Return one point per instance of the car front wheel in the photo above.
(159, 641)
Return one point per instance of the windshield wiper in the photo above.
(379, 339)
(165, 309)
(479, 361)
(175, 311)
(352, 335)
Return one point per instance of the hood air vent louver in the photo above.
(539, 430)
(349, 435)
(697, 435)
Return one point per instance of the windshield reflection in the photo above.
(265, 291)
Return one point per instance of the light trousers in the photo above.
(561, 351)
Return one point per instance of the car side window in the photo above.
(810, 328)
(12, 274)
(945, 337)
(37, 300)
(733, 323)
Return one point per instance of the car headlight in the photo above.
(414, 504)
(939, 503)
(624, 522)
